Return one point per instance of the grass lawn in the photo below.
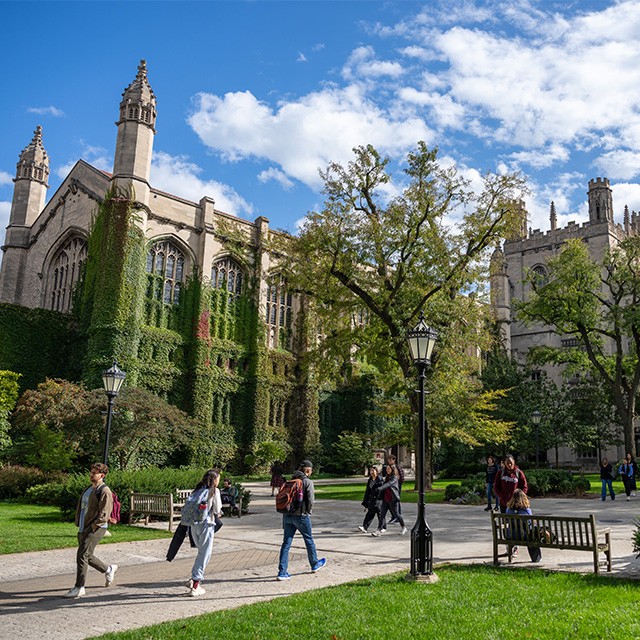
(596, 485)
(355, 491)
(467, 602)
(27, 527)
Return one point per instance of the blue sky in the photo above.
(253, 97)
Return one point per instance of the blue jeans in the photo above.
(490, 495)
(605, 484)
(291, 524)
(202, 534)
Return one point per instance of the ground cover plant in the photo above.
(467, 602)
(29, 527)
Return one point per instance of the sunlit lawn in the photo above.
(596, 485)
(355, 491)
(468, 602)
(28, 527)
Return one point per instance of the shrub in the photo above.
(15, 480)
(636, 538)
(470, 497)
(453, 491)
(151, 480)
(351, 453)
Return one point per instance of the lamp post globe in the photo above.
(421, 341)
(112, 379)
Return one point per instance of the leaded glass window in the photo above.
(64, 274)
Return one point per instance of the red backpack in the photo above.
(114, 518)
(290, 496)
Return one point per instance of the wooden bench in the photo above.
(551, 532)
(227, 509)
(153, 504)
(181, 496)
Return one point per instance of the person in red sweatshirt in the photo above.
(507, 480)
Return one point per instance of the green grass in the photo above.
(27, 527)
(596, 485)
(467, 602)
(356, 491)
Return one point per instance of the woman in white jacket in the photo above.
(204, 498)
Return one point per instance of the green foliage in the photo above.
(597, 305)
(16, 479)
(351, 453)
(8, 396)
(151, 480)
(37, 344)
(636, 538)
(61, 422)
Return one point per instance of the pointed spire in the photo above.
(553, 218)
(33, 163)
(626, 218)
(138, 100)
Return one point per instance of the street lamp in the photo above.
(112, 380)
(421, 340)
(536, 417)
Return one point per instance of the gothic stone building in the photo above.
(529, 252)
(216, 331)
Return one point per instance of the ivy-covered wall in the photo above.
(38, 344)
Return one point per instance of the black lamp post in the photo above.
(112, 380)
(536, 417)
(421, 340)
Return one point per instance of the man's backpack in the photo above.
(196, 507)
(114, 518)
(290, 497)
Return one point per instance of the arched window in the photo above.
(227, 274)
(64, 273)
(165, 265)
(278, 313)
(540, 276)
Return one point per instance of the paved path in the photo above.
(148, 590)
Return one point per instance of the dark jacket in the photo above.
(309, 494)
(506, 482)
(391, 484)
(606, 473)
(371, 493)
(492, 469)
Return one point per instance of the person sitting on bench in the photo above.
(229, 494)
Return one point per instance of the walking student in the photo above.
(92, 519)
(606, 478)
(492, 469)
(300, 520)
(507, 480)
(371, 501)
(627, 474)
(390, 493)
(199, 513)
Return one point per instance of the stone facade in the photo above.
(530, 251)
(45, 249)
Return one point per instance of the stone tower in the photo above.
(136, 128)
(600, 201)
(31, 184)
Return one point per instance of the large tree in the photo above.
(598, 304)
(380, 252)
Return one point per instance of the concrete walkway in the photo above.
(148, 590)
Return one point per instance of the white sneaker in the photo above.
(376, 533)
(361, 528)
(383, 531)
(76, 592)
(404, 531)
(628, 498)
(198, 591)
(110, 574)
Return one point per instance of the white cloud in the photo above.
(625, 193)
(620, 164)
(554, 153)
(304, 135)
(5, 210)
(179, 176)
(362, 64)
(278, 176)
(46, 111)
(301, 57)
(5, 178)
(97, 157)
(317, 47)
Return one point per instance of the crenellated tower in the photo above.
(600, 201)
(136, 128)
(31, 184)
